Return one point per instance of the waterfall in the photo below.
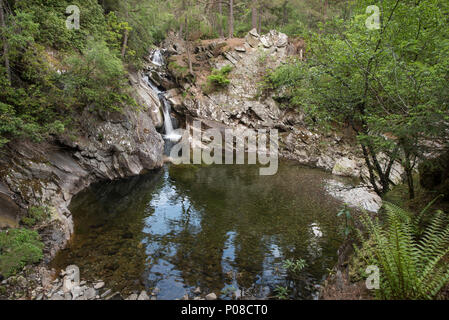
(170, 133)
(168, 125)
(157, 58)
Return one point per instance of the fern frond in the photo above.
(411, 268)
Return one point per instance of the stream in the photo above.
(222, 228)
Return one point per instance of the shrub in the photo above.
(18, 248)
(411, 266)
(97, 78)
(219, 79)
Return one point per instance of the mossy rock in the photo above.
(18, 248)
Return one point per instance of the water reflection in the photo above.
(224, 229)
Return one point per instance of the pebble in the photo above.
(76, 292)
(114, 296)
(143, 296)
(90, 294)
(211, 296)
(21, 281)
(156, 291)
(133, 296)
(197, 290)
(99, 285)
(56, 297)
(106, 293)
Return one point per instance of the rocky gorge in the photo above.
(113, 146)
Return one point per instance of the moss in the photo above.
(36, 215)
(18, 248)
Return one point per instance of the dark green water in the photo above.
(222, 228)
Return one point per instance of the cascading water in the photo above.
(169, 131)
(170, 134)
(158, 59)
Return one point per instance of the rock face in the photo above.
(111, 146)
(241, 106)
(239, 103)
(9, 211)
(147, 98)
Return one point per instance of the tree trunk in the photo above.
(231, 19)
(285, 13)
(189, 59)
(125, 43)
(220, 22)
(254, 14)
(408, 168)
(182, 24)
(180, 30)
(325, 7)
(5, 43)
(126, 35)
(411, 187)
(188, 51)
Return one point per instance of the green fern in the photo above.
(411, 267)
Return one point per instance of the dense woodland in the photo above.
(37, 100)
(390, 85)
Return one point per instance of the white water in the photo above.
(152, 85)
(170, 133)
(157, 58)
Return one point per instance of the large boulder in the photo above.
(175, 98)
(346, 167)
(360, 197)
(147, 99)
(253, 38)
